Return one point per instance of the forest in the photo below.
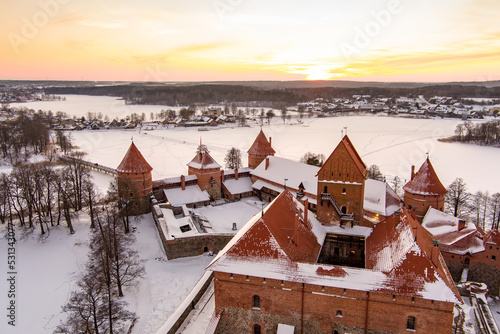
(276, 97)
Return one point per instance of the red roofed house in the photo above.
(207, 171)
(134, 177)
(424, 190)
(269, 276)
(341, 182)
(260, 149)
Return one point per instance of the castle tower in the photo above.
(134, 175)
(259, 150)
(341, 183)
(424, 190)
(207, 171)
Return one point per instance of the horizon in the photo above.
(379, 41)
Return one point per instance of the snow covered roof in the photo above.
(134, 162)
(240, 186)
(425, 181)
(349, 147)
(403, 249)
(261, 146)
(492, 237)
(203, 160)
(380, 198)
(173, 180)
(272, 247)
(445, 228)
(240, 171)
(295, 172)
(192, 194)
(259, 184)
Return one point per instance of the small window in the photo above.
(256, 329)
(340, 174)
(410, 323)
(343, 191)
(493, 257)
(256, 301)
(339, 314)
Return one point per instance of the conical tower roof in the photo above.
(134, 162)
(425, 181)
(203, 160)
(261, 146)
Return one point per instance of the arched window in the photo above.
(339, 314)
(256, 301)
(410, 323)
(343, 209)
(256, 329)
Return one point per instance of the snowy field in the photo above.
(49, 269)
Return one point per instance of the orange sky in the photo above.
(201, 40)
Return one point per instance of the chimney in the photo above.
(397, 216)
(306, 206)
(236, 173)
(222, 176)
(435, 252)
(296, 229)
(270, 142)
(412, 172)
(183, 182)
(461, 224)
(267, 163)
(413, 212)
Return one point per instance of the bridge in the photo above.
(485, 322)
(89, 165)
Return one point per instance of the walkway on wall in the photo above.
(343, 216)
(485, 321)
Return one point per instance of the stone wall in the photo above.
(196, 245)
(321, 309)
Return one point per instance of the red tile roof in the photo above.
(425, 182)
(492, 237)
(134, 162)
(358, 162)
(403, 249)
(203, 160)
(274, 235)
(261, 146)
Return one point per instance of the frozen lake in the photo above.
(393, 143)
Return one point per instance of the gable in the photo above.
(343, 160)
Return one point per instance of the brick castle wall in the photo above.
(317, 308)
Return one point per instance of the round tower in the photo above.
(259, 150)
(134, 175)
(424, 190)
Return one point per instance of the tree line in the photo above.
(41, 195)
(96, 305)
(483, 133)
(217, 93)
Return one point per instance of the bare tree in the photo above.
(233, 158)
(397, 185)
(457, 199)
(374, 173)
(313, 159)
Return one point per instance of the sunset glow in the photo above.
(251, 40)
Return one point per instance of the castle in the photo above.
(334, 252)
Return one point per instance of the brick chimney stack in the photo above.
(270, 141)
(236, 174)
(435, 252)
(461, 224)
(306, 205)
(267, 163)
(296, 229)
(183, 182)
(412, 172)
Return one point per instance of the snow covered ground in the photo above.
(222, 217)
(392, 143)
(47, 271)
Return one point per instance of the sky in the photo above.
(233, 40)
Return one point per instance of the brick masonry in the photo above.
(320, 309)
